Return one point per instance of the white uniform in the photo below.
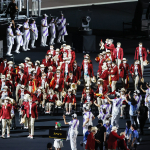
(35, 7)
(61, 29)
(72, 133)
(85, 116)
(147, 103)
(44, 32)
(19, 40)
(116, 112)
(58, 143)
(103, 116)
(26, 36)
(10, 40)
(53, 33)
(34, 35)
(105, 106)
(139, 99)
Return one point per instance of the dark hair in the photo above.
(128, 122)
(133, 126)
(100, 121)
(22, 70)
(133, 102)
(89, 127)
(49, 145)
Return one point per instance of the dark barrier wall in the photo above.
(104, 17)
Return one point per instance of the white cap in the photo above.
(114, 128)
(27, 58)
(22, 86)
(42, 66)
(45, 15)
(10, 62)
(74, 115)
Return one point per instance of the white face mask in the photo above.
(109, 42)
(113, 65)
(3, 80)
(98, 82)
(58, 75)
(22, 89)
(124, 62)
(57, 53)
(4, 90)
(140, 45)
(29, 65)
(10, 65)
(35, 64)
(6, 101)
(51, 48)
(42, 69)
(50, 92)
(19, 66)
(118, 46)
(75, 65)
(39, 90)
(87, 93)
(69, 93)
(30, 100)
(104, 63)
(26, 61)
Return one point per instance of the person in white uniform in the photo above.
(10, 39)
(44, 30)
(26, 37)
(116, 110)
(35, 7)
(52, 31)
(61, 24)
(19, 39)
(73, 131)
(88, 118)
(34, 33)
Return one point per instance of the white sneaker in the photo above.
(9, 54)
(24, 49)
(33, 46)
(148, 127)
(29, 136)
(46, 45)
(17, 52)
(58, 42)
(42, 45)
(8, 135)
(28, 49)
(2, 136)
(66, 113)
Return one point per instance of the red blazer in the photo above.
(25, 92)
(112, 140)
(114, 74)
(37, 98)
(73, 56)
(6, 112)
(68, 99)
(6, 70)
(90, 69)
(104, 76)
(61, 84)
(34, 112)
(144, 53)
(90, 145)
(139, 70)
(47, 64)
(49, 77)
(120, 53)
(85, 98)
(110, 47)
(3, 66)
(38, 74)
(77, 72)
(70, 68)
(23, 82)
(53, 98)
(54, 52)
(7, 83)
(123, 70)
(91, 92)
(39, 82)
(105, 89)
(27, 73)
(74, 79)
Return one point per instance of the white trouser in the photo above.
(31, 125)
(43, 40)
(118, 62)
(115, 120)
(26, 121)
(17, 89)
(34, 7)
(68, 105)
(49, 105)
(85, 129)
(60, 37)
(142, 67)
(122, 109)
(51, 40)
(136, 80)
(32, 43)
(73, 140)
(4, 122)
(113, 85)
(59, 95)
(99, 102)
(25, 43)
(20, 101)
(9, 47)
(17, 47)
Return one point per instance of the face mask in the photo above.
(98, 82)
(29, 65)
(51, 48)
(30, 100)
(19, 66)
(4, 90)
(124, 62)
(85, 61)
(122, 93)
(22, 89)
(87, 93)
(5, 61)
(118, 46)
(104, 63)
(140, 45)
(39, 90)
(113, 65)
(26, 61)
(6, 101)
(58, 76)
(44, 77)
(42, 69)
(108, 54)
(69, 93)
(3, 80)
(35, 64)
(50, 92)
(57, 53)
(75, 65)
(109, 42)
(11, 65)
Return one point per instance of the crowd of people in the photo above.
(52, 83)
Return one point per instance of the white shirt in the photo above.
(66, 68)
(117, 51)
(88, 98)
(74, 124)
(100, 89)
(86, 69)
(22, 94)
(136, 70)
(4, 95)
(140, 51)
(43, 83)
(3, 84)
(90, 116)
